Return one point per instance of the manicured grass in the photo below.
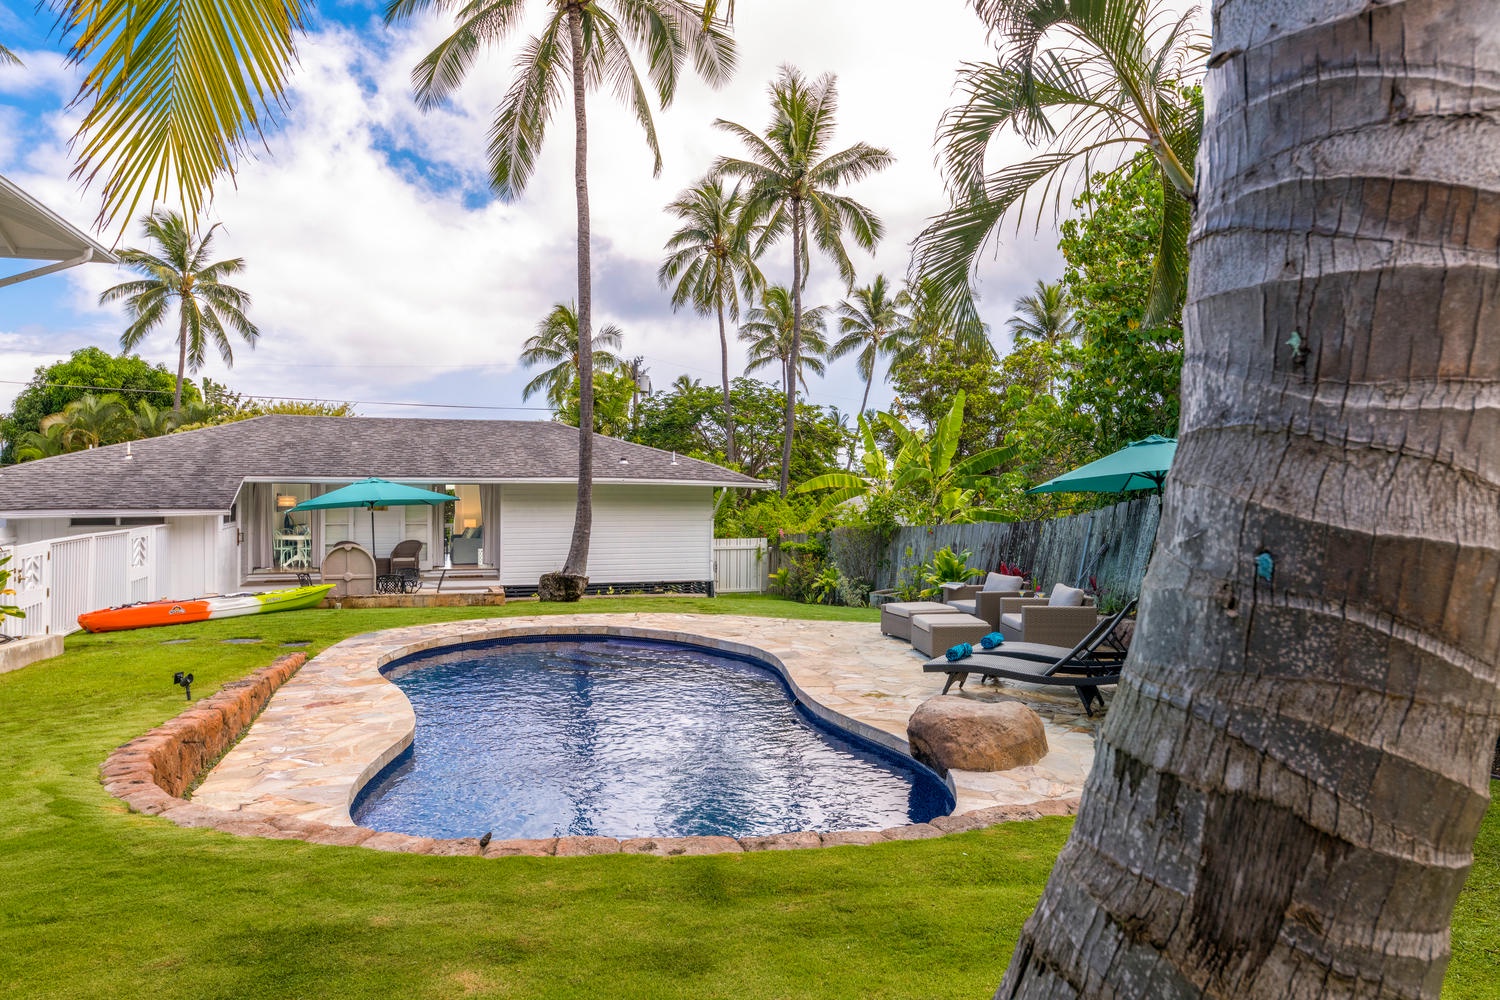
(97, 902)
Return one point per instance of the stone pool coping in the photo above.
(335, 723)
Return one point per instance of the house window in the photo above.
(291, 531)
(92, 522)
(136, 522)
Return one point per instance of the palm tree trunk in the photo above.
(791, 381)
(583, 519)
(731, 452)
(182, 335)
(1292, 775)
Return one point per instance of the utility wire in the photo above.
(292, 399)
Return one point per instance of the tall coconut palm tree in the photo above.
(711, 258)
(770, 331)
(585, 43)
(556, 344)
(872, 323)
(793, 185)
(1084, 80)
(1044, 314)
(1301, 741)
(178, 269)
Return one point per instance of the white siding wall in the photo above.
(194, 546)
(39, 529)
(641, 533)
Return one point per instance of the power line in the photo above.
(292, 399)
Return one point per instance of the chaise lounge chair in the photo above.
(1093, 663)
(1101, 645)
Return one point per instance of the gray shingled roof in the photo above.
(202, 470)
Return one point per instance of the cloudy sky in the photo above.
(383, 271)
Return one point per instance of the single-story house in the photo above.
(225, 493)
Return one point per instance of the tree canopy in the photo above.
(88, 370)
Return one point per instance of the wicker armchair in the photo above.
(973, 600)
(406, 556)
(1032, 619)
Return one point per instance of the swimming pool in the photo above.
(597, 735)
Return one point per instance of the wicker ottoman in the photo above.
(933, 634)
(895, 619)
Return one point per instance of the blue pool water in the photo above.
(627, 738)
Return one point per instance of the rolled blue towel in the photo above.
(959, 652)
(992, 640)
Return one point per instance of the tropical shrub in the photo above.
(923, 483)
(923, 581)
(7, 610)
(946, 566)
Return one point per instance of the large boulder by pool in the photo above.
(952, 732)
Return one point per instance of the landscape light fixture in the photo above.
(285, 501)
(184, 681)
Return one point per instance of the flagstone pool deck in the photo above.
(338, 721)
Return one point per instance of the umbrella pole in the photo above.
(372, 530)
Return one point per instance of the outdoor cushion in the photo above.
(964, 607)
(997, 581)
(1012, 621)
(1064, 596)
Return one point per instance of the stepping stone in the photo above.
(297, 642)
(174, 642)
(241, 642)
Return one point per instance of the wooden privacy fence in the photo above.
(740, 565)
(59, 579)
(1112, 544)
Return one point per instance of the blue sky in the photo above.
(383, 272)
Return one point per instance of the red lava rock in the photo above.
(672, 847)
(399, 843)
(782, 841)
(844, 838)
(295, 824)
(459, 847)
(189, 815)
(241, 827)
(911, 831)
(542, 848)
(340, 836)
(580, 847)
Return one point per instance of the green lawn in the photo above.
(97, 902)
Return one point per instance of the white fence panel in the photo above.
(30, 578)
(59, 579)
(740, 565)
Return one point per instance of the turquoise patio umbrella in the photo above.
(372, 493)
(1140, 465)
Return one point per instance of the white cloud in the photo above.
(380, 270)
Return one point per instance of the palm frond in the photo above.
(174, 91)
(515, 138)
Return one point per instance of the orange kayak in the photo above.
(201, 609)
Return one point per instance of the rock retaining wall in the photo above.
(151, 773)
